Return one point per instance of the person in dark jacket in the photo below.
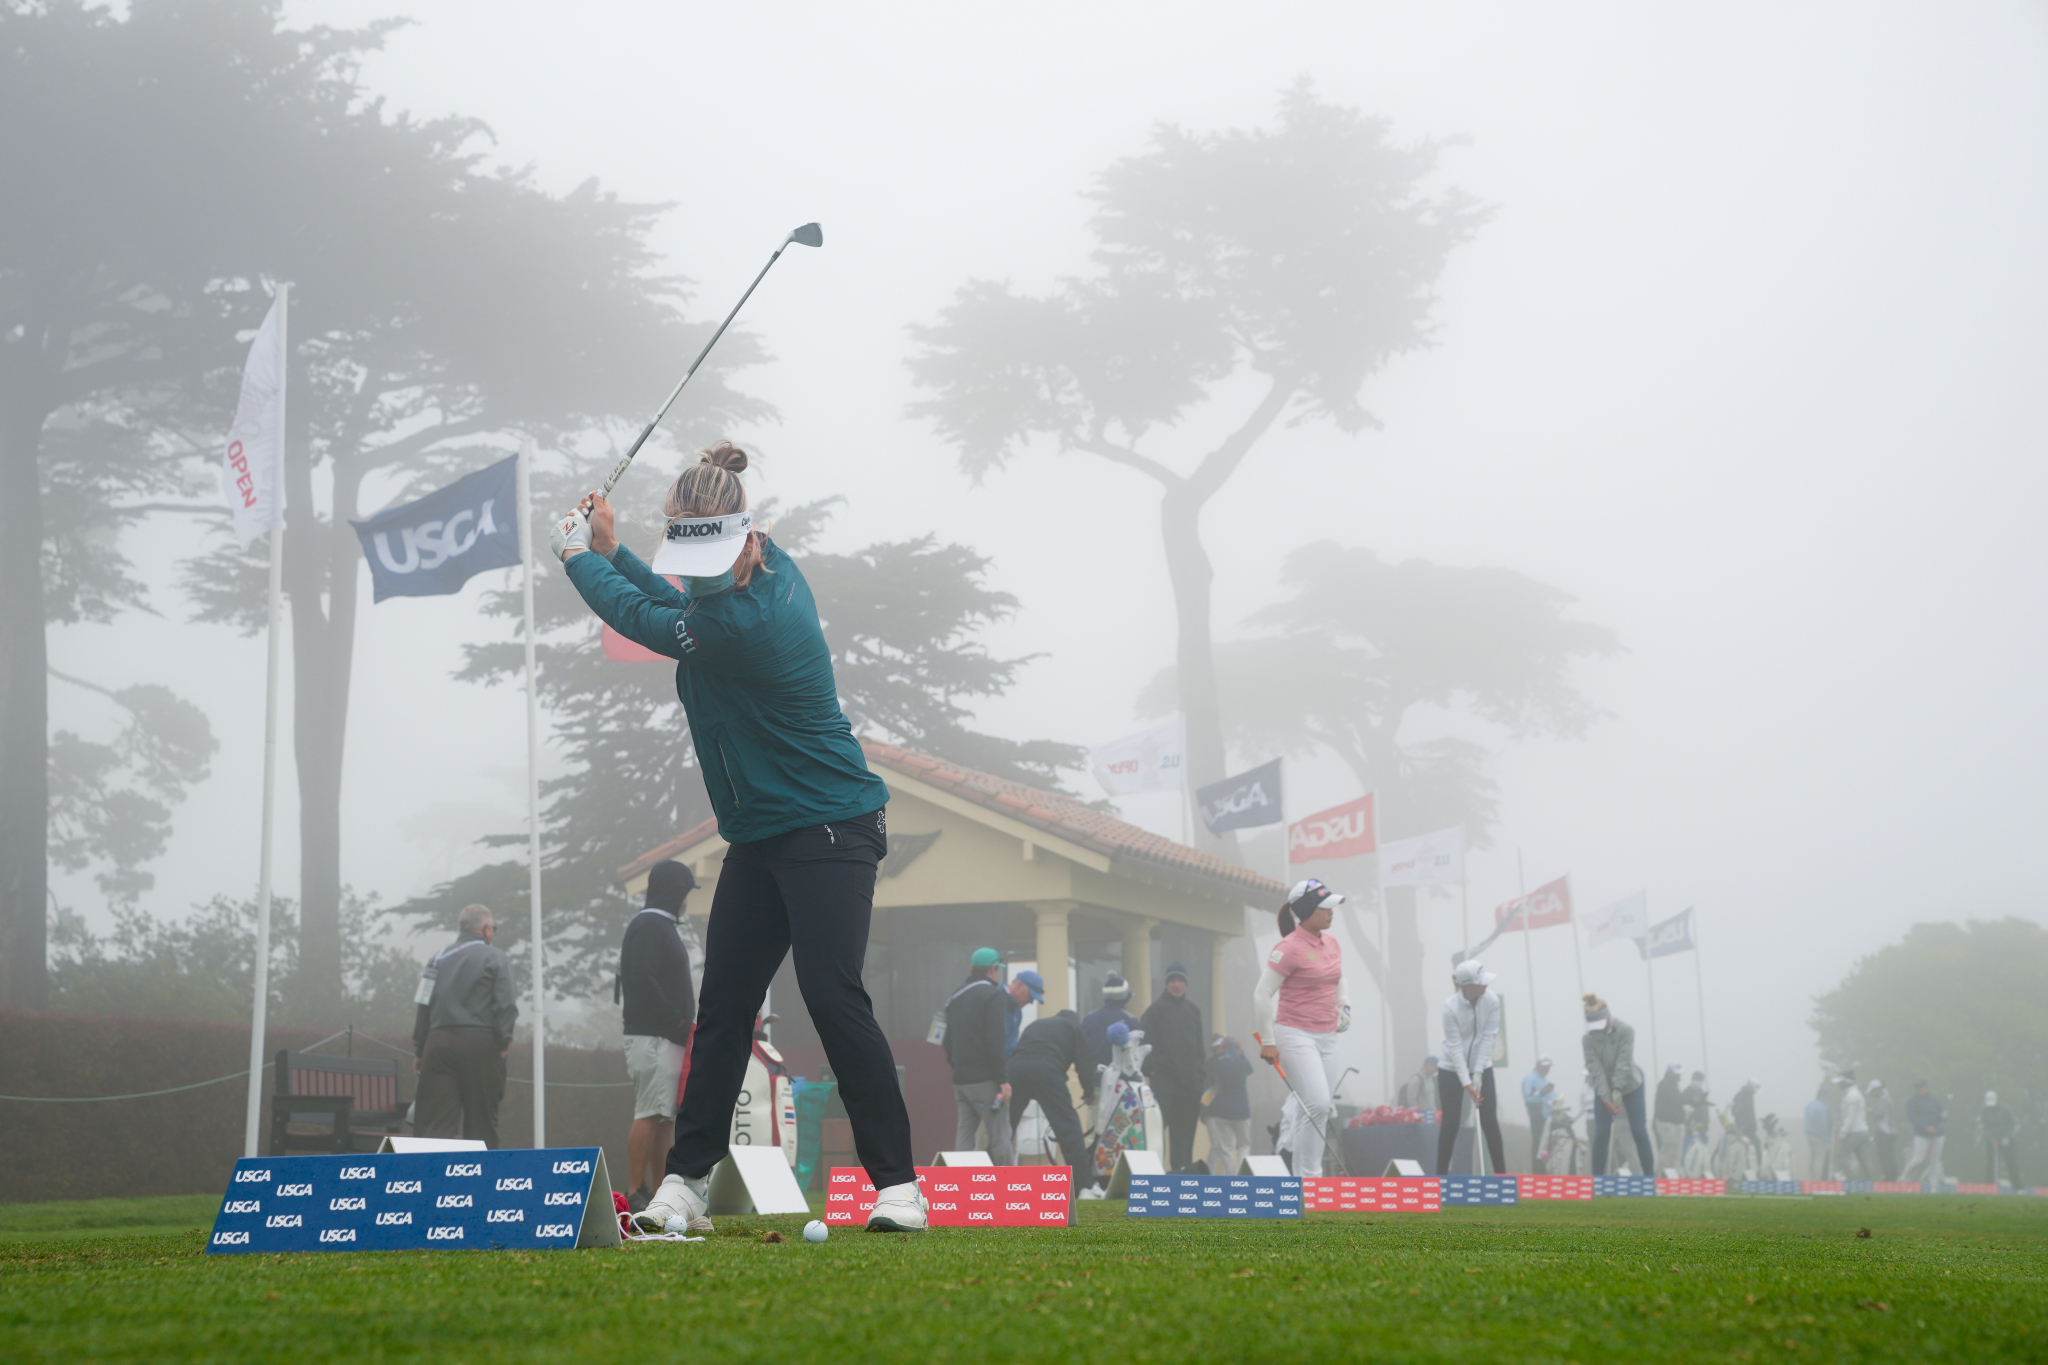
(1924, 1118)
(2001, 1153)
(659, 1008)
(1116, 993)
(1744, 1109)
(1229, 1110)
(461, 1033)
(804, 820)
(1173, 1028)
(1038, 1074)
(1668, 1115)
(975, 1017)
(1026, 988)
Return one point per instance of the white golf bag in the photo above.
(1127, 1116)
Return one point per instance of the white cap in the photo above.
(1990, 1097)
(1472, 973)
(1305, 897)
(701, 547)
(1674, 1067)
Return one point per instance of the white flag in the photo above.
(252, 466)
(1628, 917)
(1425, 860)
(1152, 760)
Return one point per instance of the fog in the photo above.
(1749, 362)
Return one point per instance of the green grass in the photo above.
(1642, 1281)
(74, 1218)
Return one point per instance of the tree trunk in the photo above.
(1187, 567)
(24, 710)
(320, 559)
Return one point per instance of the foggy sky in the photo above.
(1750, 362)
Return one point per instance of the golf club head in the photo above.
(810, 234)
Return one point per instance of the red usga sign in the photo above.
(964, 1196)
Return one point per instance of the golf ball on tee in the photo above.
(815, 1231)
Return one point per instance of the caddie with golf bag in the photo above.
(804, 819)
(1301, 1006)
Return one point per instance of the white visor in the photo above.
(702, 547)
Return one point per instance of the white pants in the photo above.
(1230, 1142)
(1311, 1063)
(1926, 1162)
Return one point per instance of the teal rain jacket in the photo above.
(755, 677)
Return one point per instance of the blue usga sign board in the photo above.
(530, 1199)
(1214, 1196)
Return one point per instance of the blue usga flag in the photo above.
(433, 546)
(1246, 801)
(1673, 935)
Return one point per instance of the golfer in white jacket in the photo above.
(1465, 1067)
(1301, 1008)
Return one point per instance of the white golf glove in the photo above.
(570, 535)
(1344, 1020)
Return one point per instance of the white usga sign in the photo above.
(548, 1199)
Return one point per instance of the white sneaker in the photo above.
(900, 1208)
(678, 1206)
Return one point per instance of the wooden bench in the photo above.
(333, 1104)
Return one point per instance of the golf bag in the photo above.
(1127, 1117)
(765, 1113)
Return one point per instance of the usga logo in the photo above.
(252, 1177)
(980, 1217)
(1015, 1205)
(1015, 1188)
(505, 1216)
(455, 1201)
(231, 1239)
(569, 1197)
(982, 1198)
(337, 1234)
(555, 1230)
(401, 1187)
(837, 1179)
(516, 1182)
(465, 1168)
(453, 1234)
(391, 1220)
(288, 1191)
(568, 1168)
(285, 1220)
(347, 1204)
(1052, 1218)
(359, 1173)
(242, 1206)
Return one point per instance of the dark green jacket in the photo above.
(755, 677)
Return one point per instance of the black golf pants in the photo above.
(1041, 1082)
(1180, 1109)
(1451, 1099)
(811, 892)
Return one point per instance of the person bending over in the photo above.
(1038, 1072)
(1301, 1008)
(804, 818)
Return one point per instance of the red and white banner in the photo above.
(1548, 904)
(1553, 1187)
(1151, 760)
(1346, 831)
(964, 1196)
(252, 464)
(1432, 859)
(1371, 1194)
(1693, 1185)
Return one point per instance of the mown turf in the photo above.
(1641, 1281)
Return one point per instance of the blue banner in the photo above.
(1214, 1196)
(435, 545)
(535, 1199)
(1246, 801)
(1674, 935)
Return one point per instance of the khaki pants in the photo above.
(1230, 1142)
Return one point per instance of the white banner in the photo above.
(1150, 761)
(1426, 860)
(1628, 917)
(252, 466)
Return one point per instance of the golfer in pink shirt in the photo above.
(1301, 1008)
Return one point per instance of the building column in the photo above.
(1138, 961)
(1218, 1015)
(1055, 954)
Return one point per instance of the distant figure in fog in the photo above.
(1419, 1090)
(1229, 1111)
(1668, 1115)
(1610, 1047)
(2001, 1158)
(461, 1033)
(1877, 1104)
(1852, 1143)
(1820, 1137)
(1924, 1117)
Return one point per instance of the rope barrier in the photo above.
(524, 1080)
(149, 1094)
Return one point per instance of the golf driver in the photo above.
(1332, 1138)
(810, 234)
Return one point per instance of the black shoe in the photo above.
(637, 1200)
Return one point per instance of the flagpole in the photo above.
(1650, 973)
(1528, 951)
(1699, 989)
(540, 1042)
(1578, 962)
(261, 988)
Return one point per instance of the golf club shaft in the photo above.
(619, 470)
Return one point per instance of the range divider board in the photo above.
(964, 1196)
(1214, 1196)
(551, 1199)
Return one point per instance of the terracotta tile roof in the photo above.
(1139, 850)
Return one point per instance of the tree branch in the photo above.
(1219, 464)
(1130, 459)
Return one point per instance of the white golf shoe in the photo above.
(678, 1206)
(900, 1208)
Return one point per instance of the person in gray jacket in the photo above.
(975, 1018)
(461, 1033)
(1610, 1048)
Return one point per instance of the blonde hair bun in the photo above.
(725, 455)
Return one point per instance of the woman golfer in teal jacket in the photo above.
(794, 798)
